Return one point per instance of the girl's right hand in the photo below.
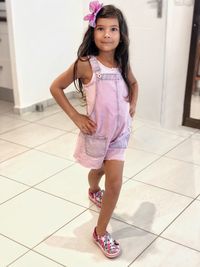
(85, 124)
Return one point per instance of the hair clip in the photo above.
(94, 8)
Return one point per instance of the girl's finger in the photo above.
(92, 123)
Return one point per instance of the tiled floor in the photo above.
(46, 219)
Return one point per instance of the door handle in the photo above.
(159, 6)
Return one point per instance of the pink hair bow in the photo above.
(94, 8)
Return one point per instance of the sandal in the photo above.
(109, 247)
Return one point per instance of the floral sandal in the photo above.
(109, 247)
(96, 197)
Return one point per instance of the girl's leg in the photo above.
(94, 177)
(113, 171)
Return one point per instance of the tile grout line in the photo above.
(165, 230)
(33, 186)
(162, 188)
(30, 250)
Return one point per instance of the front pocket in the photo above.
(120, 142)
(95, 146)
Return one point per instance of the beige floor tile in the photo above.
(174, 175)
(33, 259)
(179, 130)
(188, 151)
(7, 123)
(32, 135)
(70, 184)
(136, 123)
(148, 207)
(163, 253)
(10, 250)
(185, 229)
(34, 215)
(9, 150)
(72, 245)
(9, 189)
(136, 160)
(60, 120)
(32, 167)
(63, 146)
(67, 184)
(153, 140)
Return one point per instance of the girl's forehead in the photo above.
(107, 21)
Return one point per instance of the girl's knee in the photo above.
(98, 172)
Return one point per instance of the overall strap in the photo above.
(102, 76)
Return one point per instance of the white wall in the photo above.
(179, 25)
(43, 44)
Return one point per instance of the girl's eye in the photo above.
(114, 29)
(99, 29)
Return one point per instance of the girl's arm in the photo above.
(134, 88)
(83, 122)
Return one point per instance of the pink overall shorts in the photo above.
(107, 105)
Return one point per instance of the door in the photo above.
(147, 29)
(191, 115)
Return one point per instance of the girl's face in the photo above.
(107, 34)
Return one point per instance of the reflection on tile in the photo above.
(188, 150)
(9, 189)
(153, 140)
(148, 207)
(47, 212)
(32, 135)
(136, 160)
(33, 259)
(32, 167)
(174, 175)
(179, 130)
(63, 146)
(167, 254)
(9, 150)
(185, 230)
(65, 245)
(10, 250)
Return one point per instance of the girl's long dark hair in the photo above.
(88, 47)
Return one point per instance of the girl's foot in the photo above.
(96, 197)
(109, 247)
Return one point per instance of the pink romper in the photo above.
(107, 105)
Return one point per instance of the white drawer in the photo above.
(4, 47)
(5, 74)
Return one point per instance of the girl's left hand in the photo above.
(132, 110)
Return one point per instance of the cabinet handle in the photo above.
(0, 39)
(1, 67)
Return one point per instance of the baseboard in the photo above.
(6, 94)
(40, 106)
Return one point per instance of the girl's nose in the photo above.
(107, 35)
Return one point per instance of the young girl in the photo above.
(104, 75)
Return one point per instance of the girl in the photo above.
(104, 75)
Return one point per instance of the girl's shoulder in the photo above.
(84, 69)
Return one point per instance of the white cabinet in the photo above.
(5, 64)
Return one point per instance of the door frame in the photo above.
(187, 120)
